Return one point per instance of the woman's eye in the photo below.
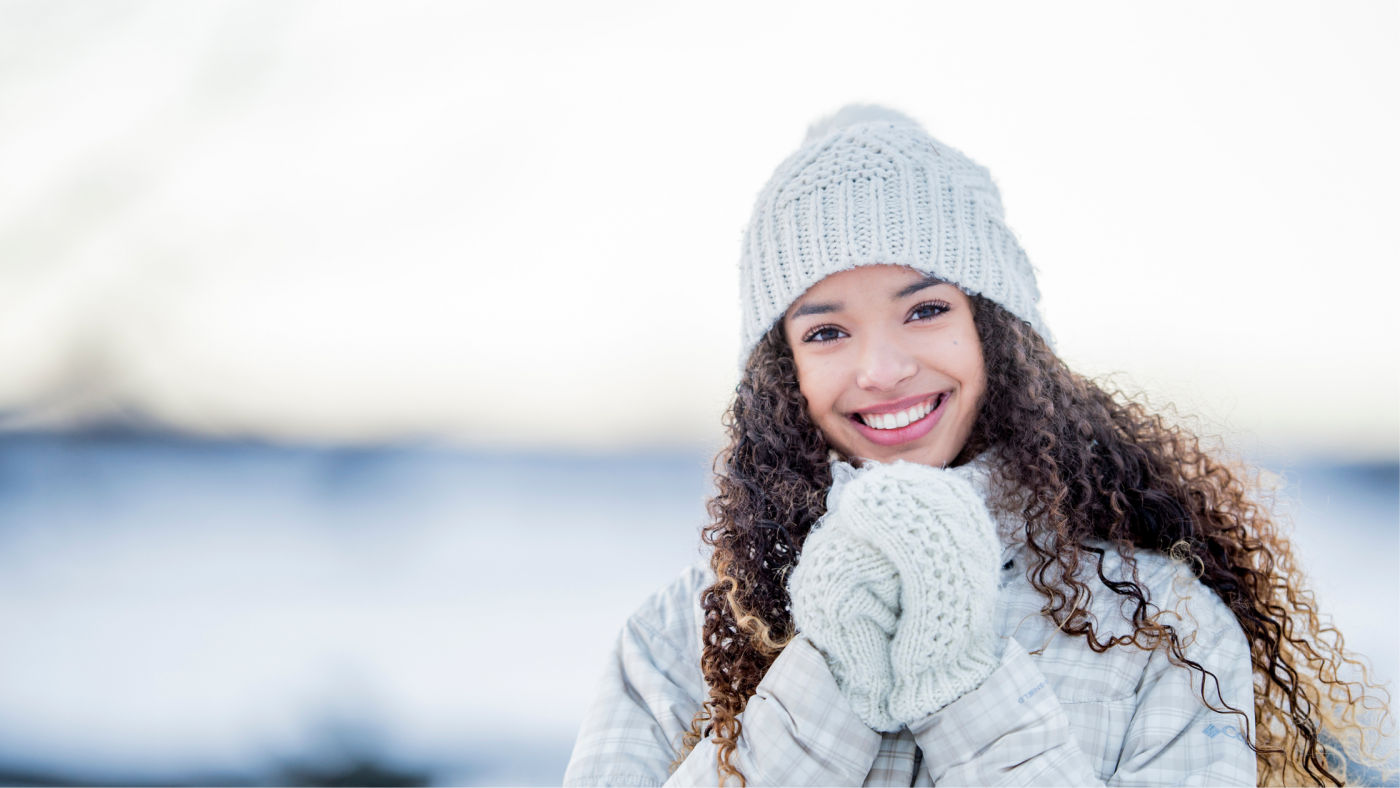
(823, 334)
(928, 310)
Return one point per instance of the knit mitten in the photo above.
(933, 526)
(845, 599)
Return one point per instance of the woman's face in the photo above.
(889, 362)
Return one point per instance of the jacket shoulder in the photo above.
(649, 694)
(1175, 595)
(672, 615)
(1169, 587)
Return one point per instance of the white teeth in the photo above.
(891, 421)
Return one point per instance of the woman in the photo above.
(940, 556)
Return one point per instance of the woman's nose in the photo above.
(883, 366)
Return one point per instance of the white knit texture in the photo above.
(897, 588)
(870, 186)
(845, 599)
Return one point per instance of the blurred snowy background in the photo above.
(360, 364)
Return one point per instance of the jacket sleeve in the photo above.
(797, 729)
(1013, 730)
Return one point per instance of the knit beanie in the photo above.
(869, 186)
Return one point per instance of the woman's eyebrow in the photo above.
(917, 286)
(821, 308)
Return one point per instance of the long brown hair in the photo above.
(1093, 464)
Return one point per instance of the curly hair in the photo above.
(1092, 464)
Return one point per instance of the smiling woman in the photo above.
(942, 556)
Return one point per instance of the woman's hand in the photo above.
(934, 527)
(925, 533)
(845, 599)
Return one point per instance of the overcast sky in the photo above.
(518, 224)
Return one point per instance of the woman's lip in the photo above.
(899, 404)
(912, 432)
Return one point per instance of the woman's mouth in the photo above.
(902, 426)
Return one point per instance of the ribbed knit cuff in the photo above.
(915, 697)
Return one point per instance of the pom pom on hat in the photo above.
(850, 115)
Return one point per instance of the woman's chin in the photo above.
(932, 456)
(932, 450)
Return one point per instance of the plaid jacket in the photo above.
(1054, 713)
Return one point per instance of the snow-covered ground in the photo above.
(176, 610)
